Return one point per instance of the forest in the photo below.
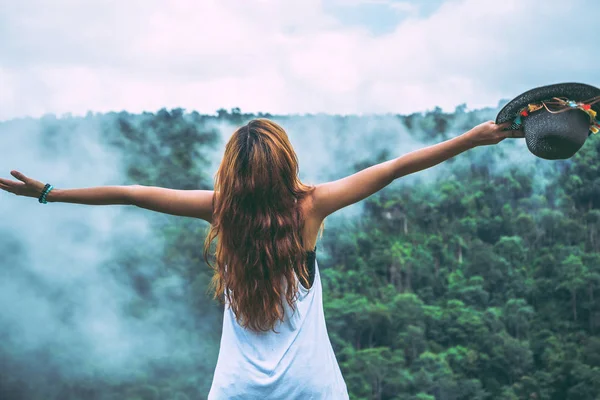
(476, 281)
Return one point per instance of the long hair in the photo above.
(257, 221)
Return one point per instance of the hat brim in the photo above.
(572, 91)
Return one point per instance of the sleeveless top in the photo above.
(298, 362)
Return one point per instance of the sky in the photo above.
(282, 57)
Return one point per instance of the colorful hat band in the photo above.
(560, 104)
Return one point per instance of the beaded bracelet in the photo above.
(45, 192)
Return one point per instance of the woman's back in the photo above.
(298, 362)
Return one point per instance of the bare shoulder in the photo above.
(312, 221)
(332, 196)
(307, 206)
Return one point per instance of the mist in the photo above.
(67, 308)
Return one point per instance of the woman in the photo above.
(274, 342)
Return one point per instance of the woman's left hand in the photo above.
(27, 187)
(488, 133)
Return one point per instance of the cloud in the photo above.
(283, 57)
(402, 6)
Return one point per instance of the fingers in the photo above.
(515, 134)
(14, 186)
(7, 188)
(19, 176)
(7, 183)
(511, 133)
(505, 125)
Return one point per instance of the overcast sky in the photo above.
(333, 56)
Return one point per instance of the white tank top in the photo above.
(298, 362)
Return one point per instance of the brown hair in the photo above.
(257, 220)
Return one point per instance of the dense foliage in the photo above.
(481, 284)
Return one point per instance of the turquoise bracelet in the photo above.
(45, 192)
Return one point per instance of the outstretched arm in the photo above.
(332, 196)
(187, 203)
(95, 196)
(30, 187)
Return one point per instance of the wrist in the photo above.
(469, 138)
(52, 196)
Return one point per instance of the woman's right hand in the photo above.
(489, 133)
(29, 187)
